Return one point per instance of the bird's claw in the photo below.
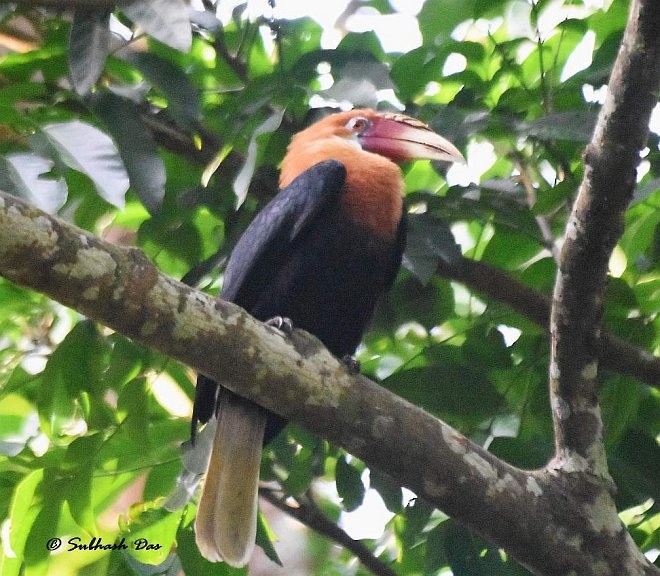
(282, 324)
(351, 364)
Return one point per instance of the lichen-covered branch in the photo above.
(593, 229)
(532, 514)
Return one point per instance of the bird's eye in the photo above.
(358, 124)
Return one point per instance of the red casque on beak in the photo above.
(401, 138)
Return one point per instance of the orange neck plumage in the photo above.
(373, 190)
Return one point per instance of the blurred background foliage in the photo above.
(162, 125)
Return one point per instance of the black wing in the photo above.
(259, 252)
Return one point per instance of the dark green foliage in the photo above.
(143, 141)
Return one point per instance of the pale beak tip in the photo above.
(454, 154)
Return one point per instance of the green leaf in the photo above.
(410, 72)
(389, 491)
(509, 250)
(162, 480)
(647, 292)
(365, 42)
(429, 239)
(265, 539)
(574, 125)
(485, 8)
(51, 58)
(74, 367)
(88, 150)
(469, 555)
(410, 524)
(449, 385)
(134, 406)
(438, 19)
(152, 535)
(358, 80)
(462, 553)
(23, 510)
(486, 349)
(126, 360)
(495, 200)
(80, 462)
(45, 524)
(642, 224)
(89, 42)
(634, 463)
(646, 189)
(349, 484)
(182, 96)
(436, 557)
(301, 472)
(175, 248)
(409, 301)
(26, 175)
(299, 37)
(619, 401)
(144, 165)
(608, 23)
(165, 20)
(244, 177)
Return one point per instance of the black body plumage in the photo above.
(303, 257)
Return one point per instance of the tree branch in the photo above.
(309, 514)
(614, 353)
(532, 514)
(593, 229)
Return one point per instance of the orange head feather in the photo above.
(368, 144)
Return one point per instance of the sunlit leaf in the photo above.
(80, 463)
(88, 150)
(88, 47)
(438, 19)
(24, 509)
(244, 177)
(71, 369)
(265, 539)
(27, 175)
(152, 533)
(145, 167)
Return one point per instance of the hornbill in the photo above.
(320, 254)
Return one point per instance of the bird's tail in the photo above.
(226, 523)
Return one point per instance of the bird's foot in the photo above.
(351, 364)
(282, 324)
